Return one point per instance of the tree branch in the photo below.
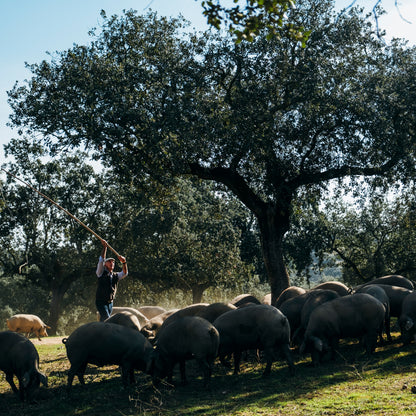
(336, 173)
(349, 262)
(233, 181)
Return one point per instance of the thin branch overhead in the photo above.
(375, 11)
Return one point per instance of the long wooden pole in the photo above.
(63, 209)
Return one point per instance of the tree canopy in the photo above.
(192, 241)
(271, 121)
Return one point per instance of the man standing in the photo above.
(107, 282)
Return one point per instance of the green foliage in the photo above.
(375, 238)
(40, 241)
(186, 238)
(17, 295)
(246, 23)
(271, 121)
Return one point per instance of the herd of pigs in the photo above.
(153, 340)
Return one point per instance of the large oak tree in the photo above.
(270, 120)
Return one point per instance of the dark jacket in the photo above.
(107, 287)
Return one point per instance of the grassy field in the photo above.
(352, 385)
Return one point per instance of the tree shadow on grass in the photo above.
(230, 394)
(104, 394)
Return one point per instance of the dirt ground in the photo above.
(47, 340)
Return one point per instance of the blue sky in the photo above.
(31, 28)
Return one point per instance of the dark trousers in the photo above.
(104, 309)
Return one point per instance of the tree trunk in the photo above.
(273, 218)
(55, 308)
(197, 292)
(273, 225)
